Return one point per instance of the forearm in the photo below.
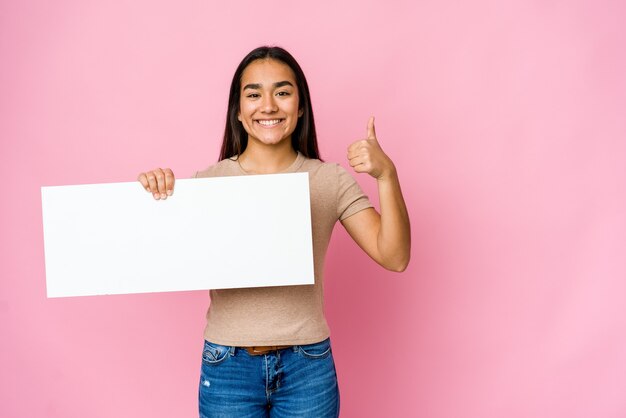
(394, 234)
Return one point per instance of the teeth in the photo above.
(269, 122)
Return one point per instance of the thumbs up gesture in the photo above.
(366, 155)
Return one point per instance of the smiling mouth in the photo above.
(268, 123)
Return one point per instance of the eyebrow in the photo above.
(257, 86)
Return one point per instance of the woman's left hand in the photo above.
(385, 236)
(366, 156)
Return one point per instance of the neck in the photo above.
(261, 158)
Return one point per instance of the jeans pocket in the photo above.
(319, 350)
(213, 353)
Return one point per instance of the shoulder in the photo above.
(323, 170)
(227, 167)
(329, 176)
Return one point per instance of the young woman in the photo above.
(267, 350)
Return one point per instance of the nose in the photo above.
(268, 105)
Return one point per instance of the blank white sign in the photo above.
(225, 232)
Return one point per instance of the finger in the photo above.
(351, 154)
(169, 181)
(354, 161)
(144, 181)
(354, 153)
(152, 182)
(371, 131)
(358, 146)
(352, 147)
(360, 168)
(160, 177)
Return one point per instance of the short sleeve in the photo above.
(350, 197)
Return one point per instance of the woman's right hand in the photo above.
(159, 182)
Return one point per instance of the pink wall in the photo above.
(508, 127)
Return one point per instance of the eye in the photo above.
(283, 93)
(253, 95)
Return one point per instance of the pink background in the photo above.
(506, 121)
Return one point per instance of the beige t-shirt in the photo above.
(286, 315)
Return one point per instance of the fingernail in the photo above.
(163, 195)
(169, 192)
(156, 196)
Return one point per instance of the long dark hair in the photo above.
(303, 138)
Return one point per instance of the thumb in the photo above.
(371, 131)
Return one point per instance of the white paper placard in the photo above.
(212, 233)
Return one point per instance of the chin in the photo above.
(272, 141)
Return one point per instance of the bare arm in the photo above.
(385, 237)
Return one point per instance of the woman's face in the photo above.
(268, 105)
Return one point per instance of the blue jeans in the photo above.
(299, 381)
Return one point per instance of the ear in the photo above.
(300, 112)
(239, 116)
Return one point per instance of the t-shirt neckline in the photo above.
(295, 165)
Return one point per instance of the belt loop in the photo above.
(232, 350)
